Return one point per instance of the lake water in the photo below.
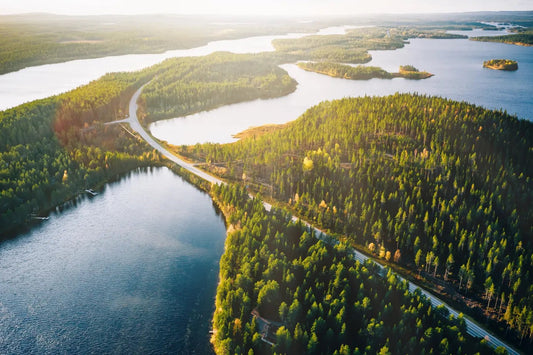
(456, 63)
(132, 270)
(42, 81)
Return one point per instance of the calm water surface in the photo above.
(132, 270)
(42, 81)
(459, 75)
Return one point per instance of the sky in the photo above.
(257, 7)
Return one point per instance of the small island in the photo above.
(362, 72)
(501, 64)
(410, 72)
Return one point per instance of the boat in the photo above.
(91, 192)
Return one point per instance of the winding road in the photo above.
(134, 123)
(472, 328)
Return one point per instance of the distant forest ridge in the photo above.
(34, 39)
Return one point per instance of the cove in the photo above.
(131, 270)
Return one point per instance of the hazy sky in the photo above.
(266, 7)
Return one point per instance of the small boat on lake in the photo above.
(91, 192)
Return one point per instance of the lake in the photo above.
(131, 270)
(42, 81)
(456, 63)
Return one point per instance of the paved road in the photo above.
(472, 328)
(133, 120)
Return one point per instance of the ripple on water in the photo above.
(133, 270)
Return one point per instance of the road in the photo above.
(134, 123)
(472, 328)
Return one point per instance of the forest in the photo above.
(53, 149)
(442, 188)
(354, 45)
(439, 187)
(336, 70)
(35, 39)
(501, 64)
(361, 72)
(314, 297)
(524, 38)
(194, 84)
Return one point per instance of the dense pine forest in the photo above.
(53, 149)
(193, 84)
(524, 38)
(361, 72)
(337, 70)
(438, 186)
(314, 297)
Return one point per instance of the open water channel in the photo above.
(134, 269)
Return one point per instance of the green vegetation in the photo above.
(430, 33)
(33, 40)
(194, 84)
(27, 40)
(361, 72)
(501, 64)
(410, 72)
(52, 149)
(349, 48)
(522, 39)
(319, 300)
(446, 185)
(336, 70)
(353, 46)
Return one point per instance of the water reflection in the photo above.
(133, 269)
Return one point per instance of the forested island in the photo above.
(362, 72)
(282, 291)
(410, 72)
(501, 64)
(437, 186)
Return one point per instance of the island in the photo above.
(361, 72)
(410, 72)
(501, 64)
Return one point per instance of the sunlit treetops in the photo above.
(447, 184)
